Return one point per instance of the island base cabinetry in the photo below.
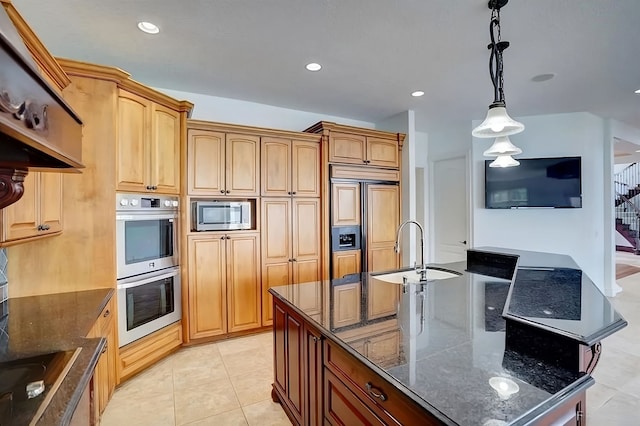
(318, 382)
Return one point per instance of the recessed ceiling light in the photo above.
(638, 91)
(543, 77)
(148, 27)
(313, 66)
(417, 93)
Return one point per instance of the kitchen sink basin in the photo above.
(413, 276)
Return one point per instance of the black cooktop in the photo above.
(27, 385)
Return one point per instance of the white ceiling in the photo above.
(374, 52)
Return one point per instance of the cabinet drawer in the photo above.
(103, 321)
(342, 407)
(375, 391)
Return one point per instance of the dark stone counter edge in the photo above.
(65, 401)
(584, 340)
(532, 417)
(528, 418)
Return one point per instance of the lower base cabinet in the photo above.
(142, 353)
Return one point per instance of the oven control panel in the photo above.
(128, 202)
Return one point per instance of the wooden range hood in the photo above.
(38, 129)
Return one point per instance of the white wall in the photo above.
(579, 233)
(226, 110)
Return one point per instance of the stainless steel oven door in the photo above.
(148, 302)
(145, 242)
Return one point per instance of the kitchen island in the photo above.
(507, 337)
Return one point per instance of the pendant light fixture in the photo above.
(498, 124)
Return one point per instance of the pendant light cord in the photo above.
(495, 58)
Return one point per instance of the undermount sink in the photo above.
(413, 276)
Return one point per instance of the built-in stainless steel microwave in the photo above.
(221, 215)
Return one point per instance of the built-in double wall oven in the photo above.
(148, 270)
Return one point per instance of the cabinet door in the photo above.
(382, 152)
(276, 249)
(243, 165)
(273, 275)
(306, 229)
(243, 284)
(346, 262)
(165, 150)
(276, 167)
(51, 202)
(205, 163)
(295, 364)
(305, 165)
(383, 218)
(313, 373)
(207, 289)
(133, 143)
(347, 148)
(21, 219)
(345, 202)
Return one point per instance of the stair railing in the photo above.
(629, 213)
(627, 179)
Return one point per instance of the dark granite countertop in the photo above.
(453, 355)
(39, 325)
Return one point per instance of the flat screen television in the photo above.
(536, 182)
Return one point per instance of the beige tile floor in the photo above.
(224, 383)
(233, 386)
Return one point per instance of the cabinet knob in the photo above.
(294, 193)
(40, 228)
(222, 238)
(375, 392)
(228, 192)
(46, 227)
(222, 191)
(294, 260)
(106, 313)
(289, 192)
(315, 338)
(149, 187)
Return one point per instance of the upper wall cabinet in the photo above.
(223, 164)
(358, 149)
(38, 212)
(290, 168)
(366, 147)
(148, 146)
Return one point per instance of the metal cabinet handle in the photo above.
(375, 392)
(149, 187)
(106, 313)
(46, 227)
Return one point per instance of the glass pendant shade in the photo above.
(504, 161)
(502, 146)
(497, 123)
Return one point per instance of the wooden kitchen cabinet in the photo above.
(383, 219)
(298, 367)
(222, 164)
(349, 148)
(148, 146)
(290, 167)
(345, 197)
(290, 245)
(105, 375)
(38, 213)
(224, 284)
